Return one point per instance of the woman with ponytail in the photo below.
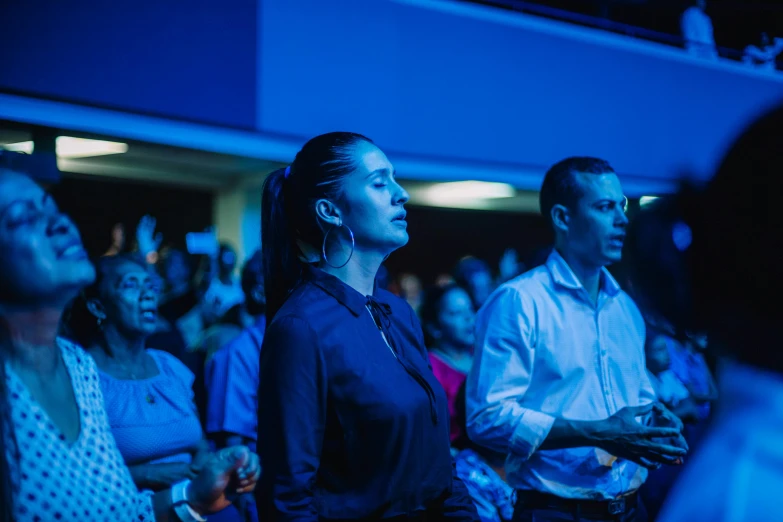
(352, 423)
(59, 459)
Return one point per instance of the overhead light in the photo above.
(646, 200)
(462, 191)
(69, 147)
(22, 146)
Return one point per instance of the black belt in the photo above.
(528, 499)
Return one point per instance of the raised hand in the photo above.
(146, 237)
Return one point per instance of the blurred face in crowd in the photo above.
(480, 286)
(658, 358)
(456, 320)
(410, 286)
(118, 236)
(42, 259)
(593, 231)
(372, 202)
(128, 300)
(227, 260)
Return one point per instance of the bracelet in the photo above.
(179, 499)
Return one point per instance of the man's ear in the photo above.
(560, 217)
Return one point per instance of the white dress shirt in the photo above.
(545, 351)
(737, 473)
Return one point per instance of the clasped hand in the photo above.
(229, 472)
(624, 436)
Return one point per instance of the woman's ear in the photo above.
(328, 213)
(95, 307)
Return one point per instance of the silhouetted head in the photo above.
(708, 259)
(475, 276)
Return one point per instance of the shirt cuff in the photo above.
(530, 433)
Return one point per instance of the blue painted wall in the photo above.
(183, 60)
(451, 90)
(460, 82)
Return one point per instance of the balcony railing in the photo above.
(597, 22)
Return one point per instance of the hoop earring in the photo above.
(323, 246)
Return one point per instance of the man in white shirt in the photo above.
(696, 26)
(558, 381)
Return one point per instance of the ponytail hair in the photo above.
(281, 263)
(290, 232)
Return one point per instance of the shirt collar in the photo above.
(563, 275)
(345, 295)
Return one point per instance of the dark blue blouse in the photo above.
(349, 426)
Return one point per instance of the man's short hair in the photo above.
(561, 186)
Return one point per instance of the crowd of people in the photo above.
(139, 387)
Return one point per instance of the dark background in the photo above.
(439, 237)
(96, 204)
(736, 23)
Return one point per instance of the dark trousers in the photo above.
(521, 514)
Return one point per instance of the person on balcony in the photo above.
(697, 31)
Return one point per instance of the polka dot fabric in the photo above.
(85, 481)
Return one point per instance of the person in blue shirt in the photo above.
(232, 372)
(352, 424)
(483, 472)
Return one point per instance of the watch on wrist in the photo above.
(179, 500)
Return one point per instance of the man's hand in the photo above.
(624, 436)
(663, 417)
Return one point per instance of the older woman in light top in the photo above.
(58, 458)
(147, 393)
